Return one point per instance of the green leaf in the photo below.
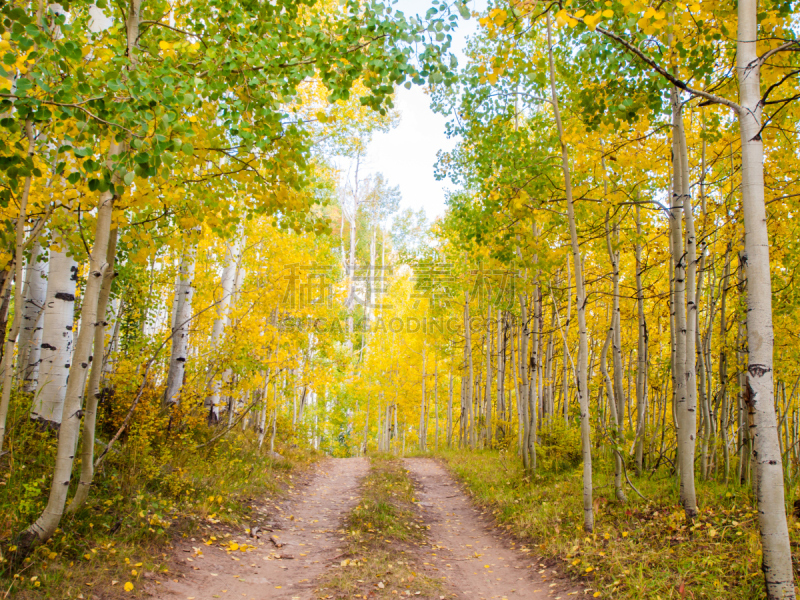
(128, 179)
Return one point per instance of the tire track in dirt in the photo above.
(306, 526)
(475, 558)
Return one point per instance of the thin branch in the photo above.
(661, 70)
(79, 107)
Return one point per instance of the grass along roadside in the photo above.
(641, 549)
(146, 497)
(381, 536)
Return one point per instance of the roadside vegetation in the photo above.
(640, 548)
(151, 492)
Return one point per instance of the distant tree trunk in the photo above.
(641, 351)
(436, 400)
(523, 366)
(516, 377)
(487, 394)
(613, 338)
(468, 420)
(450, 407)
(502, 335)
(612, 405)
(423, 447)
(723, 365)
(533, 389)
(565, 351)
(262, 418)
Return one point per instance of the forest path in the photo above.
(477, 560)
(306, 525)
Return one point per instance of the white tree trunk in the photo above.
(95, 376)
(487, 395)
(423, 434)
(777, 557)
(30, 336)
(583, 337)
(57, 337)
(46, 524)
(466, 416)
(19, 247)
(686, 413)
(184, 292)
(223, 300)
(641, 352)
(690, 370)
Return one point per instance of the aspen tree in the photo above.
(223, 305)
(19, 247)
(95, 375)
(641, 350)
(181, 317)
(580, 295)
(30, 336)
(777, 557)
(57, 336)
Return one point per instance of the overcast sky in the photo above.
(407, 154)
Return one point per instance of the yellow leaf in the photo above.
(128, 586)
(608, 14)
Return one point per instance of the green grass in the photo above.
(380, 560)
(640, 549)
(151, 491)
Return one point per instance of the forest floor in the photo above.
(454, 550)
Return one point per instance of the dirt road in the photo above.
(463, 546)
(469, 550)
(306, 528)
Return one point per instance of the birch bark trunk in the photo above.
(227, 283)
(57, 336)
(450, 407)
(583, 339)
(471, 373)
(723, 365)
(685, 416)
(487, 394)
(777, 557)
(30, 336)
(689, 408)
(95, 375)
(184, 292)
(422, 433)
(48, 521)
(19, 247)
(641, 351)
